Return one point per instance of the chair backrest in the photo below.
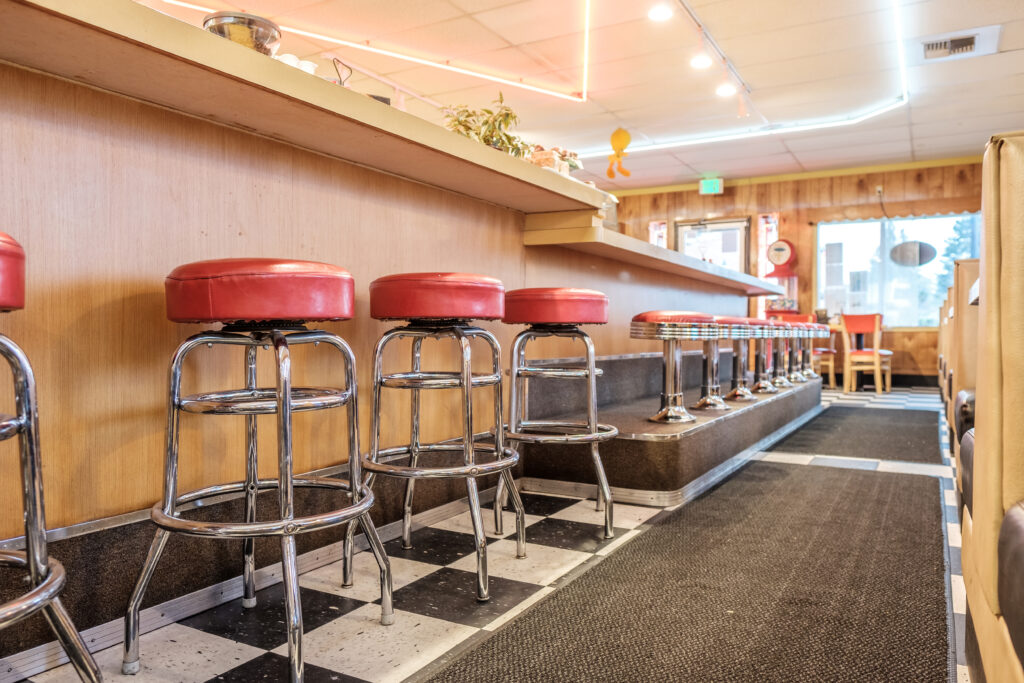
(867, 323)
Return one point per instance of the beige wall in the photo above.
(107, 195)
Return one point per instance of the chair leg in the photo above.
(832, 373)
(603, 491)
(292, 607)
(878, 377)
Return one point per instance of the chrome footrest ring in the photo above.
(34, 600)
(279, 527)
(262, 401)
(543, 431)
(509, 460)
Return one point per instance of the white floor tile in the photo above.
(953, 533)
(462, 524)
(172, 654)
(915, 468)
(366, 578)
(959, 594)
(542, 564)
(625, 516)
(519, 609)
(950, 497)
(788, 458)
(962, 674)
(360, 646)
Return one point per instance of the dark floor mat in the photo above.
(782, 573)
(882, 433)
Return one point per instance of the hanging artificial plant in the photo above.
(489, 126)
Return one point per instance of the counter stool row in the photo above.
(790, 348)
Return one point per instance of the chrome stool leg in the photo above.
(779, 363)
(795, 356)
(673, 405)
(739, 390)
(761, 369)
(251, 488)
(45, 575)
(282, 400)
(414, 447)
(710, 390)
(807, 356)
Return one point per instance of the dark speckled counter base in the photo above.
(663, 458)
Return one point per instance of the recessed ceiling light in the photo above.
(726, 90)
(700, 61)
(660, 13)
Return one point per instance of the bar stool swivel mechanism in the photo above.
(279, 295)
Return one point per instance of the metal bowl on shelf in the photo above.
(249, 30)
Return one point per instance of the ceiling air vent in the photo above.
(949, 47)
(972, 42)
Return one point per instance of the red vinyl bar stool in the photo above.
(556, 312)
(740, 331)
(441, 306)
(673, 327)
(46, 577)
(263, 303)
(797, 333)
(782, 333)
(763, 330)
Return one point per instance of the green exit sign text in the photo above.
(712, 186)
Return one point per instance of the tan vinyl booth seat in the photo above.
(996, 480)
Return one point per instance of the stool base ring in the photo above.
(710, 402)
(511, 457)
(34, 600)
(544, 431)
(740, 394)
(674, 414)
(287, 527)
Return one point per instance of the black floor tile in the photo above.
(436, 546)
(271, 667)
(569, 535)
(263, 626)
(536, 504)
(450, 594)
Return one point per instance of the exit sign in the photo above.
(712, 186)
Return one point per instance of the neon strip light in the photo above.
(776, 129)
(581, 97)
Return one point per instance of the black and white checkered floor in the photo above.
(437, 614)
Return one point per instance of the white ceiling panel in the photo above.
(805, 61)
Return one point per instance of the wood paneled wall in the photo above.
(802, 203)
(107, 195)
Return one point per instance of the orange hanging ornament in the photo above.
(620, 141)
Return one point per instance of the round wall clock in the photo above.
(781, 253)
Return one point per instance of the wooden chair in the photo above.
(821, 357)
(873, 359)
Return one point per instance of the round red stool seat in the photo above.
(12, 274)
(556, 305)
(437, 296)
(666, 325)
(258, 289)
(673, 317)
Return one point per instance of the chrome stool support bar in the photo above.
(807, 366)
(673, 406)
(710, 389)
(45, 574)
(796, 340)
(762, 370)
(503, 458)
(779, 358)
(523, 430)
(740, 348)
(251, 402)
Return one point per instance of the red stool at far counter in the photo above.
(556, 312)
(673, 327)
(440, 306)
(45, 575)
(263, 303)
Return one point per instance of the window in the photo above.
(723, 243)
(900, 268)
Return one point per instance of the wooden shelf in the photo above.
(614, 245)
(974, 295)
(126, 48)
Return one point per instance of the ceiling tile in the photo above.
(950, 145)
(847, 137)
(965, 108)
(857, 154)
(944, 16)
(519, 23)
(727, 151)
(359, 20)
(448, 39)
(737, 18)
(985, 125)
